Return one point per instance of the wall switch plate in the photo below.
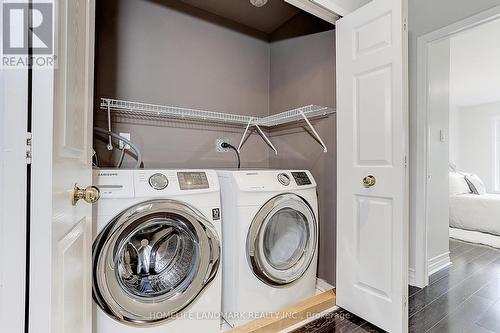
(442, 136)
(218, 146)
(126, 136)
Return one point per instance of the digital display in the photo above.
(192, 180)
(301, 178)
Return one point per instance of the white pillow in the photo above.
(458, 185)
(477, 182)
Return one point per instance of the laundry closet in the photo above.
(229, 57)
(296, 85)
(177, 78)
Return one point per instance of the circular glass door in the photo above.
(152, 261)
(281, 242)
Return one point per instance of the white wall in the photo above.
(426, 16)
(475, 65)
(454, 134)
(473, 139)
(438, 193)
(475, 99)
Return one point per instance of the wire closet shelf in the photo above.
(154, 111)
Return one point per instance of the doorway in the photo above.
(434, 126)
(455, 165)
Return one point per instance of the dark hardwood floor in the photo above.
(464, 297)
(338, 321)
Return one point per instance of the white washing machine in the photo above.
(157, 253)
(270, 241)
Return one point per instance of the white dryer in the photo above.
(270, 241)
(157, 251)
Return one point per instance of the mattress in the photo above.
(476, 212)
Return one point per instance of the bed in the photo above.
(474, 214)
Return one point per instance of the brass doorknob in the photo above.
(369, 181)
(90, 194)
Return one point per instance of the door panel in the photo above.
(71, 308)
(72, 78)
(372, 180)
(373, 35)
(374, 140)
(375, 267)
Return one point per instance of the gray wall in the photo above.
(168, 53)
(426, 16)
(165, 52)
(303, 73)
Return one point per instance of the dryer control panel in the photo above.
(269, 180)
(301, 178)
(192, 180)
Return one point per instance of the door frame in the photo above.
(14, 125)
(14, 184)
(420, 277)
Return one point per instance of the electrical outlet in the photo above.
(126, 136)
(218, 146)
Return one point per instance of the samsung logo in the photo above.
(100, 174)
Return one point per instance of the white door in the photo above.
(372, 222)
(60, 279)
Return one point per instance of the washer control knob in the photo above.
(284, 179)
(158, 181)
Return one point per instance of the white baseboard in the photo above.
(435, 264)
(439, 262)
(412, 279)
(322, 286)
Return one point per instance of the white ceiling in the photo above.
(475, 66)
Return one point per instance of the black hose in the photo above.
(227, 145)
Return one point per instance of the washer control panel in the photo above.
(158, 181)
(284, 179)
(301, 178)
(192, 180)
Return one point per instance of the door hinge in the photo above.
(29, 148)
(405, 24)
(406, 162)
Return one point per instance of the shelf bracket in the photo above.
(264, 136)
(110, 142)
(325, 149)
(244, 135)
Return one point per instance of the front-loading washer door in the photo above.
(152, 261)
(281, 242)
